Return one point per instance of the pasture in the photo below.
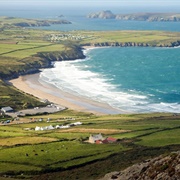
(33, 153)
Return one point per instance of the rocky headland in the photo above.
(133, 44)
(44, 60)
(39, 23)
(20, 22)
(167, 17)
(162, 167)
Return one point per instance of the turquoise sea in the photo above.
(134, 79)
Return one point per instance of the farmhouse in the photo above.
(99, 139)
(94, 138)
(7, 109)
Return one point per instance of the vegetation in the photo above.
(8, 22)
(30, 152)
(10, 96)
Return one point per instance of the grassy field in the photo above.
(30, 152)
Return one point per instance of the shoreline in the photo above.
(30, 84)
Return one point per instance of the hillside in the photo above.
(168, 17)
(162, 167)
(7, 22)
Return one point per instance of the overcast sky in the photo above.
(91, 2)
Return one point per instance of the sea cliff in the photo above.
(10, 22)
(44, 60)
(133, 44)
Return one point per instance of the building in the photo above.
(7, 109)
(94, 138)
(99, 139)
(109, 140)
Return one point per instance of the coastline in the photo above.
(31, 85)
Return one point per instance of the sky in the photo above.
(90, 2)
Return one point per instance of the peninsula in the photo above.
(21, 22)
(165, 17)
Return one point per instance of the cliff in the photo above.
(168, 17)
(162, 167)
(43, 60)
(133, 44)
(103, 15)
(38, 23)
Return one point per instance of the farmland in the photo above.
(30, 154)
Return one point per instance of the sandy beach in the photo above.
(31, 85)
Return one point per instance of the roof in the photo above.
(7, 109)
(97, 137)
(111, 139)
(105, 141)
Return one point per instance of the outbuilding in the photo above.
(7, 109)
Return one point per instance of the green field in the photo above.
(34, 153)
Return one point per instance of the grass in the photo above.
(27, 140)
(15, 98)
(62, 150)
(162, 138)
(150, 37)
(50, 154)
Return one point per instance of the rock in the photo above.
(167, 17)
(102, 15)
(166, 168)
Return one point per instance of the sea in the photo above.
(133, 79)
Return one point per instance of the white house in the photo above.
(37, 128)
(94, 138)
(64, 127)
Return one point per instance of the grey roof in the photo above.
(6, 109)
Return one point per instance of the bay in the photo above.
(134, 79)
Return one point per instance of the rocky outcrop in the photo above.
(162, 167)
(71, 54)
(137, 16)
(133, 44)
(103, 15)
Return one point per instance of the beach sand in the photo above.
(31, 85)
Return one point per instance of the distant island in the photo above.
(164, 17)
(21, 22)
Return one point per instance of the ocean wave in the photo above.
(77, 77)
(70, 77)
